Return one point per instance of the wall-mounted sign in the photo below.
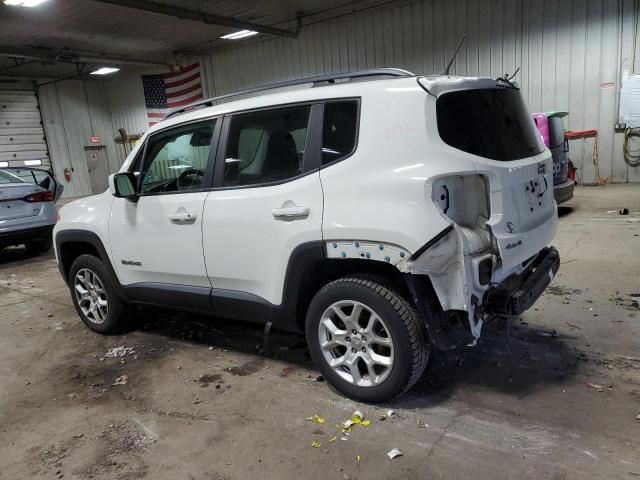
(607, 85)
(95, 139)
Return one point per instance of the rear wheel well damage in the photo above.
(325, 271)
(417, 289)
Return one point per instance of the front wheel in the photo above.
(367, 339)
(94, 295)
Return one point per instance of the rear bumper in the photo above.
(17, 237)
(563, 192)
(518, 293)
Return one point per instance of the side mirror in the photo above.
(123, 185)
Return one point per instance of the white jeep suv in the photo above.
(372, 212)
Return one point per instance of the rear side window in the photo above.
(491, 123)
(339, 130)
(266, 146)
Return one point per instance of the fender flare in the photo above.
(85, 236)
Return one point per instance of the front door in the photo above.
(158, 240)
(267, 201)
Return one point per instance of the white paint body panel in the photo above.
(245, 247)
(169, 252)
(90, 214)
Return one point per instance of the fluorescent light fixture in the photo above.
(240, 34)
(4, 164)
(31, 163)
(105, 71)
(24, 3)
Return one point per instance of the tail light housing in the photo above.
(39, 197)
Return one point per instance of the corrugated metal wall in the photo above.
(73, 111)
(568, 53)
(571, 55)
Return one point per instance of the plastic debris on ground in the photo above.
(389, 413)
(316, 419)
(638, 417)
(333, 439)
(121, 380)
(345, 427)
(552, 334)
(394, 453)
(315, 444)
(357, 418)
(120, 351)
(358, 458)
(600, 388)
(286, 371)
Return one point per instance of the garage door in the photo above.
(22, 141)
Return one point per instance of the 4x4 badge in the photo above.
(542, 168)
(510, 227)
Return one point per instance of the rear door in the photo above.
(267, 199)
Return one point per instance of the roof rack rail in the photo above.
(374, 72)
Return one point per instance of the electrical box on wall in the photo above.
(630, 101)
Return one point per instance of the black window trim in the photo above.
(358, 101)
(208, 174)
(214, 172)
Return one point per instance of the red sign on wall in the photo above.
(95, 139)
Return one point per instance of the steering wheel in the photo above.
(190, 177)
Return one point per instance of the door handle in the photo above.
(183, 217)
(290, 213)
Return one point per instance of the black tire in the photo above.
(36, 247)
(410, 343)
(118, 312)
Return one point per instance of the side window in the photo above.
(339, 129)
(266, 146)
(176, 160)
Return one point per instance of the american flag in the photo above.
(164, 92)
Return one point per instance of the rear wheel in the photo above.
(94, 295)
(35, 247)
(366, 338)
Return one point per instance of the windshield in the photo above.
(6, 177)
(492, 123)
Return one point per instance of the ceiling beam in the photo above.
(69, 56)
(198, 16)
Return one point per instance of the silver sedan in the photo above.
(27, 208)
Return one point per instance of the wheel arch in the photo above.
(309, 269)
(70, 244)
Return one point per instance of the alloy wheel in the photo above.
(91, 296)
(356, 343)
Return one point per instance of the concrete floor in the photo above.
(201, 403)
